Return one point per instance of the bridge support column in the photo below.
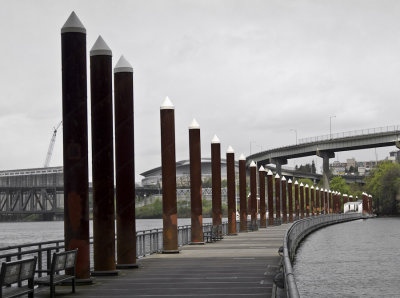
(253, 195)
(75, 143)
(270, 198)
(242, 193)
(124, 164)
(168, 169)
(325, 155)
(261, 181)
(231, 189)
(278, 163)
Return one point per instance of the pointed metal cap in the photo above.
(317, 188)
(351, 196)
(167, 104)
(241, 157)
(261, 169)
(345, 195)
(215, 140)
(100, 48)
(329, 191)
(270, 173)
(312, 186)
(289, 181)
(194, 124)
(277, 175)
(73, 24)
(230, 150)
(252, 164)
(123, 65)
(306, 185)
(301, 184)
(283, 178)
(296, 183)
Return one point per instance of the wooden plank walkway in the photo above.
(242, 265)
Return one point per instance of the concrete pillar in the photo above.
(261, 181)
(168, 168)
(278, 199)
(317, 201)
(125, 164)
(296, 199)
(284, 200)
(270, 198)
(312, 204)
(301, 200)
(102, 159)
(253, 194)
(290, 200)
(325, 155)
(75, 143)
(278, 163)
(231, 188)
(307, 191)
(216, 181)
(196, 207)
(242, 193)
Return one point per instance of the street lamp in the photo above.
(330, 126)
(295, 131)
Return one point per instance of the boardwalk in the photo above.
(242, 266)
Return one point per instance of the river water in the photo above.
(14, 233)
(355, 259)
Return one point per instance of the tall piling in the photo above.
(307, 191)
(296, 199)
(261, 181)
(216, 181)
(102, 159)
(301, 200)
(330, 202)
(253, 194)
(284, 200)
(278, 199)
(168, 173)
(125, 164)
(317, 201)
(312, 203)
(231, 189)
(270, 198)
(196, 207)
(290, 199)
(242, 193)
(75, 143)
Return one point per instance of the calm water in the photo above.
(27, 232)
(355, 259)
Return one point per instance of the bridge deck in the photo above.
(242, 265)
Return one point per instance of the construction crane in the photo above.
(51, 146)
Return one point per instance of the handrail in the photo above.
(293, 236)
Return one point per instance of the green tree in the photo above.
(384, 185)
(339, 184)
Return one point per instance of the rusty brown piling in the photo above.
(168, 172)
(330, 202)
(290, 200)
(263, 211)
(296, 199)
(231, 189)
(242, 193)
(284, 200)
(216, 181)
(75, 143)
(253, 194)
(102, 159)
(301, 200)
(307, 193)
(312, 203)
(278, 199)
(124, 164)
(196, 207)
(270, 198)
(317, 201)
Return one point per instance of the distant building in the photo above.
(394, 156)
(351, 162)
(338, 168)
(153, 176)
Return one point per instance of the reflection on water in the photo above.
(354, 259)
(13, 233)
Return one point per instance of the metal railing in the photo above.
(353, 133)
(293, 237)
(147, 242)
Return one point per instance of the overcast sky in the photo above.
(248, 71)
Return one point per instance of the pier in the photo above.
(242, 265)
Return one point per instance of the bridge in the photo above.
(325, 147)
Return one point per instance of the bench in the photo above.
(17, 272)
(62, 261)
